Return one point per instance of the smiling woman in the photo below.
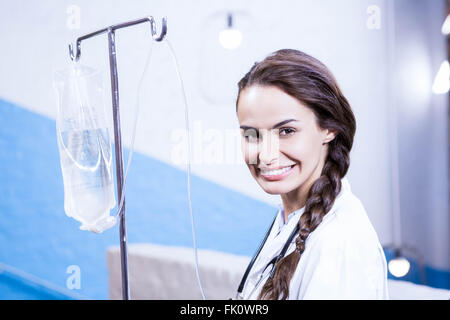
(297, 132)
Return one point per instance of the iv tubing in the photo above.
(75, 56)
(136, 114)
(188, 166)
(137, 108)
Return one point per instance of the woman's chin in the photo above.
(274, 192)
(274, 189)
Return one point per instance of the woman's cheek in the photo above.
(308, 155)
(295, 149)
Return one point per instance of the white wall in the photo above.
(422, 120)
(35, 36)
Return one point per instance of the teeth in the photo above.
(274, 172)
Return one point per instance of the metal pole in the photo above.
(75, 56)
(119, 160)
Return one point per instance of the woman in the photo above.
(297, 132)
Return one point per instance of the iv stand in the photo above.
(116, 115)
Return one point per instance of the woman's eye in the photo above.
(286, 131)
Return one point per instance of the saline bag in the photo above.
(84, 145)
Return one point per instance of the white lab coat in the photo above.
(343, 258)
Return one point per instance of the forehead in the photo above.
(263, 106)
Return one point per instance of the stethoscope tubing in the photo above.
(273, 261)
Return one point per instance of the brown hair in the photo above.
(308, 80)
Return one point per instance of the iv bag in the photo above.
(84, 144)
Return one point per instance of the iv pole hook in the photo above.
(163, 29)
(75, 56)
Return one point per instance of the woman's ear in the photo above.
(329, 136)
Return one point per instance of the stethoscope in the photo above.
(271, 263)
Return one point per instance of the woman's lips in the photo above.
(277, 176)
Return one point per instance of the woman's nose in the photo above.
(269, 149)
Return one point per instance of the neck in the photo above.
(294, 200)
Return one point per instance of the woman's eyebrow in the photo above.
(279, 124)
